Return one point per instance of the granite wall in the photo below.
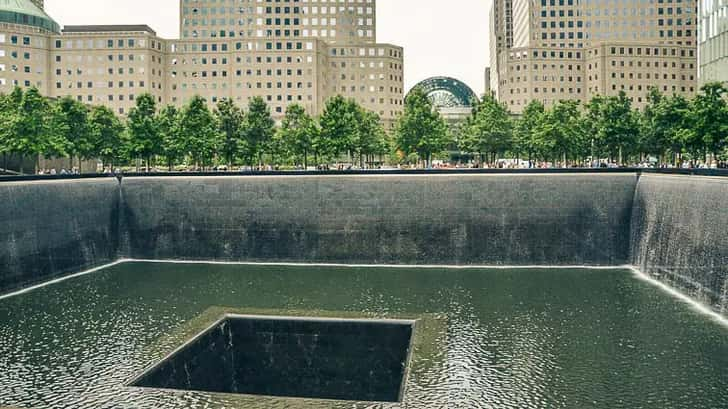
(672, 227)
(513, 219)
(680, 234)
(52, 228)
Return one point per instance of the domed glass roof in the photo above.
(24, 12)
(446, 92)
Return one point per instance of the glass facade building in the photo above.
(713, 41)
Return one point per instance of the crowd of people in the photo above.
(63, 171)
(441, 165)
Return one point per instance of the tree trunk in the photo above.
(305, 160)
(620, 157)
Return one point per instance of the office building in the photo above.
(286, 52)
(576, 49)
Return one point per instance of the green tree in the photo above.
(372, 138)
(173, 148)
(560, 135)
(9, 105)
(710, 119)
(490, 129)
(144, 135)
(339, 128)
(106, 134)
(524, 139)
(36, 129)
(664, 122)
(298, 131)
(592, 123)
(420, 129)
(618, 127)
(259, 128)
(74, 117)
(230, 119)
(199, 131)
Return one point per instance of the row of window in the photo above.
(572, 91)
(110, 43)
(655, 51)
(110, 84)
(664, 51)
(655, 64)
(109, 71)
(15, 54)
(657, 76)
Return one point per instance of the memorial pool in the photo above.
(507, 338)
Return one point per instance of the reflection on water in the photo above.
(514, 338)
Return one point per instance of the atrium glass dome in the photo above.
(446, 92)
(24, 12)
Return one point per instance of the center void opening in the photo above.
(356, 360)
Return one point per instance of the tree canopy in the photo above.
(668, 129)
(201, 135)
(145, 140)
(489, 130)
(421, 130)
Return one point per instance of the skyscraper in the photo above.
(576, 49)
(287, 51)
(713, 41)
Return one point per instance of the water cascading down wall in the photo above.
(672, 227)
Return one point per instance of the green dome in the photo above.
(24, 12)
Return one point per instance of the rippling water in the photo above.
(513, 339)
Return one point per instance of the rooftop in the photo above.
(108, 28)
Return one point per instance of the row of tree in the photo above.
(669, 128)
(32, 125)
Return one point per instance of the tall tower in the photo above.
(552, 50)
(713, 41)
(334, 23)
(501, 36)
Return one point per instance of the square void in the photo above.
(358, 360)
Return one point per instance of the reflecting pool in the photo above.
(506, 338)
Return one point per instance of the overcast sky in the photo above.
(450, 40)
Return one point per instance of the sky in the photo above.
(449, 41)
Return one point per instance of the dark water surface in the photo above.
(513, 338)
